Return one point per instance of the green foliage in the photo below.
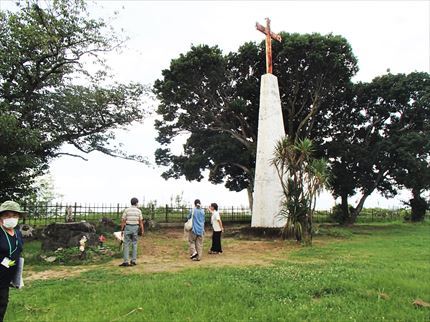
(331, 231)
(419, 207)
(337, 214)
(70, 256)
(213, 99)
(49, 98)
(381, 139)
(302, 178)
(43, 193)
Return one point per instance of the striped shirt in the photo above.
(132, 215)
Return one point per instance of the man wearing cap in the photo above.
(10, 249)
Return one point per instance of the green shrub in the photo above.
(331, 231)
(337, 214)
(34, 255)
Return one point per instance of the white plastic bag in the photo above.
(189, 224)
(119, 236)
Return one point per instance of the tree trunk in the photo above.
(356, 211)
(345, 209)
(250, 197)
(418, 206)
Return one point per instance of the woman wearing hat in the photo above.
(10, 249)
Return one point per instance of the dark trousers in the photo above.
(216, 242)
(4, 299)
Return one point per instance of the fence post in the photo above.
(167, 210)
(117, 210)
(74, 212)
(56, 211)
(45, 211)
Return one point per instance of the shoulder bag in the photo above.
(189, 224)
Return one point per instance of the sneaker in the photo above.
(124, 264)
(195, 259)
(133, 263)
(194, 255)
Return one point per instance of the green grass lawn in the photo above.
(372, 275)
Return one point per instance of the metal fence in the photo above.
(43, 214)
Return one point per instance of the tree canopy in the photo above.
(380, 139)
(213, 99)
(49, 97)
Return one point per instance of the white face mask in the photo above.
(10, 222)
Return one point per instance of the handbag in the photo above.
(189, 223)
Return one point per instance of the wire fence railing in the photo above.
(42, 214)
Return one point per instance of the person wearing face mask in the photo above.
(10, 249)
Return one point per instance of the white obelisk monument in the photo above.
(267, 187)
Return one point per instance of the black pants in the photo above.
(216, 242)
(4, 299)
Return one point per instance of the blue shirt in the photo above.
(198, 221)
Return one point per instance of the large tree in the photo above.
(410, 146)
(213, 100)
(379, 139)
(48, 97)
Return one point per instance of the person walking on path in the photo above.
(195, 235)
(131, 221)
(10, 249)
(217, 229)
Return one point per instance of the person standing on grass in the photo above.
(195, 235)
(10, 249)
(217, 229)
(131, 221)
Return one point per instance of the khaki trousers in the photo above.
(196, 244)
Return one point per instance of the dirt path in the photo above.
(167, 251)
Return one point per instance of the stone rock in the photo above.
(26, 230)
(50, 259)
(106, 225)
(65, 235)
(107, 222)
(151, 225)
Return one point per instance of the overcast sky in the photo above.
(383, 34)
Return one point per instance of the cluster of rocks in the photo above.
(65, 235)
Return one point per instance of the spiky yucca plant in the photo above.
(302, 178)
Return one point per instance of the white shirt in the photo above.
(214, 221)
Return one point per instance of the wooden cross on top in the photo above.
(269, 36)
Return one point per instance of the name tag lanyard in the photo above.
(8, 241)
